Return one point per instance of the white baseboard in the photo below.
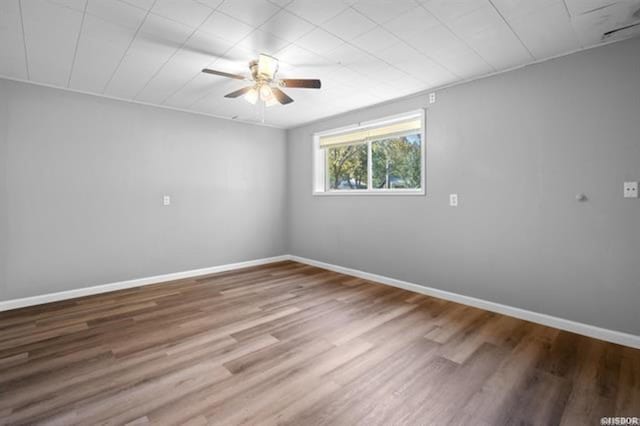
(138, 282)
(548, 320)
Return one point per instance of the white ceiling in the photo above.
(365, 51)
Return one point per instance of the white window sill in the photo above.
(348, 193)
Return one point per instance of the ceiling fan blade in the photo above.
(223, 74)
(282, 97)
(238, 93)
(301, 83)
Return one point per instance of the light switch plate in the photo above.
(432, 98)
(631, 190)
(166, 200)
(453, 200)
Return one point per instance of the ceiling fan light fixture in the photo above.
(252, 96)
(266, 93)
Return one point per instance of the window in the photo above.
(379, 157)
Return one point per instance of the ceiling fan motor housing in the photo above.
(264, 69)
(253, 66)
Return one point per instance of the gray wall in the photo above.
(517, 148)
(82, 180)
(4, 227)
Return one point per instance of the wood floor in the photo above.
(289, 343)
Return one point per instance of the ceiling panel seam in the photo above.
(512, 30)
(75, 51)
(24, 41)
(566, 9)
(195, 30)
(457, 36)
(407, 43)
(135, 35)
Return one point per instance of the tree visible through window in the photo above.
(347, 166)
(397, 163)
(375, 158)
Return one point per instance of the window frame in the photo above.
(319, 170)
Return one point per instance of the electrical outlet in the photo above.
(631, 190)
(432, 98)
(453, 200)
(166, 200)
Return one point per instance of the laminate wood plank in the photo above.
(628, 393)
(285, 391)
(408, 395)
(588, 398)
(540, 400)
(217, 398)
(52, 368)
(288, 343)
(39, 336)
(391, 373)
(13, 360)
(436, 405)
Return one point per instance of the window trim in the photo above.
(319, 171)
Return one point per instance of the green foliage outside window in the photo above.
(348, 167)
(396, 164)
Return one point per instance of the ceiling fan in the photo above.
(266, 86)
